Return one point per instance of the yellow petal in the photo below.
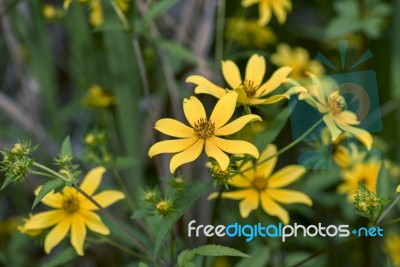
(255, 69)
(204, 86)
(224, 109)
(240, 181)
(231, 73)
(265, 13)
(272, 208)
(249, 204)
(335, 131)
(53, 200)
(398, 189)
(286, 176)
(187, 155)
(266, 101)
(194, 110)
(78, 234)
(288, 196)
(237, 124)
(274, 81)
(66, 4)
(213, 151)
(92, 180)
(247, 3)
(171, 146)
(235, 195)
(105, 199)
(265, 169)
(94, 223)
(362, 135)
(279, 10)
(346, 117)
(174, 128)
(44, 219)
(248, 175)
(234, 146)
(57, 234)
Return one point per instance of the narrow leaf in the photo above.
(217, 250)
(47, 188)
(159, 8)
(7, 181)
(66, 148)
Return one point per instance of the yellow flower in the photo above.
(346, 157)
(392, 247)
(259, 185)
(96, 17)
(73, 213)
(96, 97)
(249, 33)
(204, 132)
(398, 189)
(251, 90)
(266, 7)
(334, 108)
(23, 230)
(298, 59)
(366, 173)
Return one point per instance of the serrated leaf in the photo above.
(185, 259)
(66, 148)
(159, 8)
(184, 201)
(7, 181)
(47, 188)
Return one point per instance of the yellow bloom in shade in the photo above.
(259, 185)
(205, 132)
(298, 59)
(398, 189)
(346, 157)
(73, 213)
(251, 90)
(333, 106)
(266, 7)
(392, 248)
(366, 173)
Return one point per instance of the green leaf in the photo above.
(141, 213)
(184, 201)
(7, 181)
(66, 148)
(125, 162)
(176, 50)
(61, 258)
(272, 130)
(158, 9)
(142, 264)
(185, 257)
(258, 258)
(383, 187)
(47, 188)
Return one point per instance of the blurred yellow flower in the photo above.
(398, 189)
(346, 157)
(96, 97)
(204, 131)
(96, 17)
(251, 90)
(298, 59)
(333, 106)
(259, 185)
(248, 33)
(365, 173)
(73, 213)
(50, 12)
(279, 7)
(392, 248)
(23, 230)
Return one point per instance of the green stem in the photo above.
(43, 174)
(213, 218)
(103, 239)
(40, 166)
(123, 187)
(219, 35)
(286, 148)
(386, 212)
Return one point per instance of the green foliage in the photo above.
(49, 186)
(185, 257)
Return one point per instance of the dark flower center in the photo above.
(204, 128)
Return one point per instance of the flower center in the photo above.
(336, 104)
(249, 87)
(259, 184)
(204, 128)
(70, 204)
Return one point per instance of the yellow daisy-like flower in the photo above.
(73, 213)
(259, 185)
(298, 59)
(366, 173)
(279, 7)
(334, 108)
(96, 97)
(251, 90)
(205, 132)
(392, 248)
